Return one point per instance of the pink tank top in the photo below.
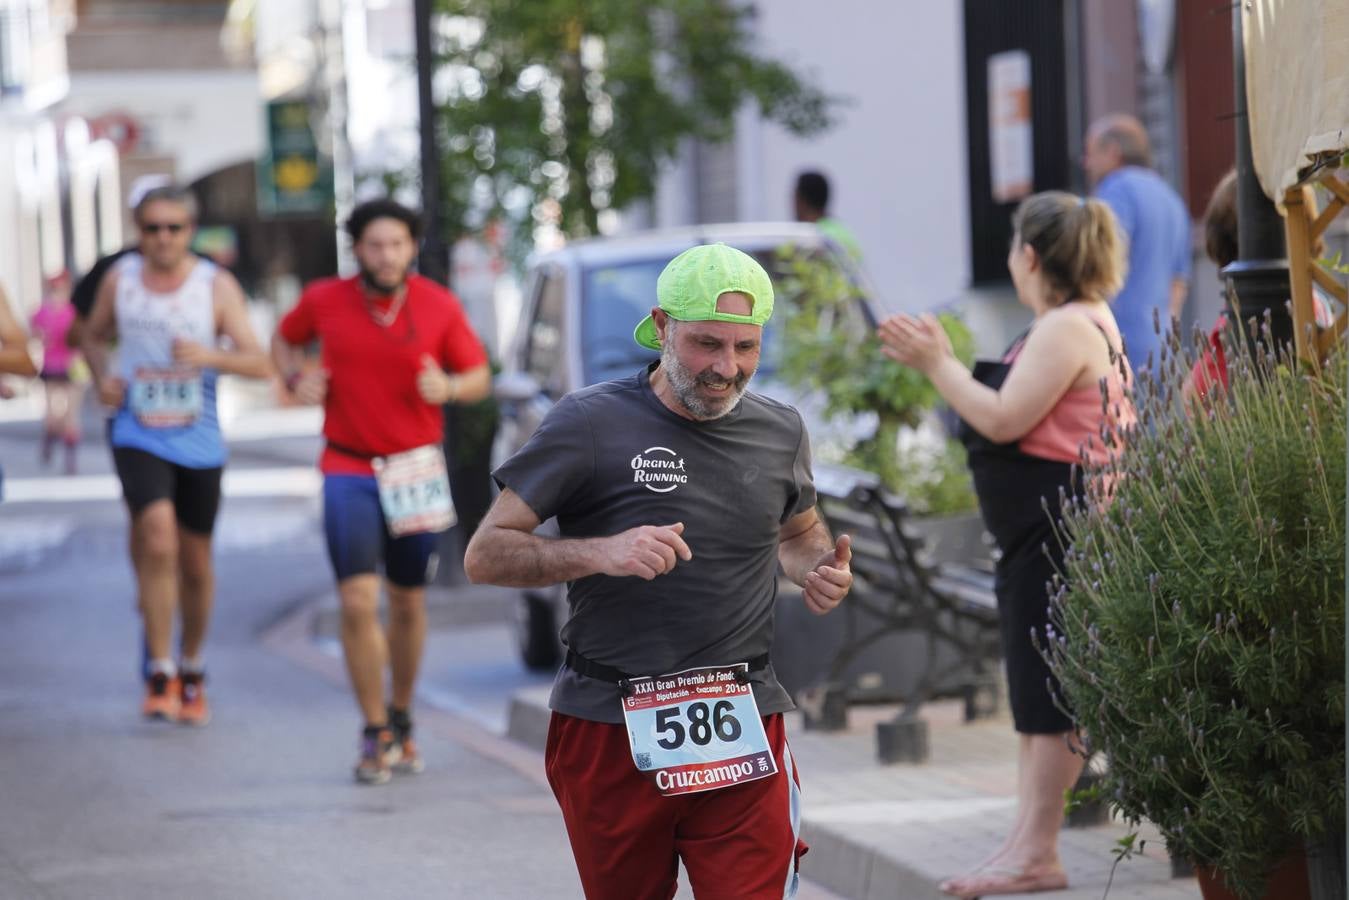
(1076, 421)
(51, 322)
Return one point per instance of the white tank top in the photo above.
(147, 325)
(149, 322)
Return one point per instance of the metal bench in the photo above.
(901, 588)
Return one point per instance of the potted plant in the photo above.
(884, 410)
(1200, 629)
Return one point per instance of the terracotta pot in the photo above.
(1288, 881)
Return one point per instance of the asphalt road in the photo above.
(96, 803)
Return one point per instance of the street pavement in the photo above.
(100, 804)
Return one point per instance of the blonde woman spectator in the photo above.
(1027, 419)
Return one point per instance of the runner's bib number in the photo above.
(414, 490)
(697, 730)
(166, 398)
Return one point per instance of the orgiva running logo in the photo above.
(660, 469)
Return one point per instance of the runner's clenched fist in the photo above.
(645, 552)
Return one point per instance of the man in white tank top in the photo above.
(168, 309)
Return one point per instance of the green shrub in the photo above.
(827, 348)
(1201, 633)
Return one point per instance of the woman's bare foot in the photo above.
(992, 880)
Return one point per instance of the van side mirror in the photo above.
(516, 387)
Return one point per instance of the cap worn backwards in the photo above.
(689, 286)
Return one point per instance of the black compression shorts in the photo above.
(146, 478)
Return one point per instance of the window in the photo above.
(615, 299)
(543, 350)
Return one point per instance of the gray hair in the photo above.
(169, 193)
(1127, 134)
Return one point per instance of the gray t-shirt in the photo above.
(613, 457)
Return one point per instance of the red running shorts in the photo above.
(737, 843)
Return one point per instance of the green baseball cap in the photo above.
(689, 286)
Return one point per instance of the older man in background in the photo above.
(1118, 162)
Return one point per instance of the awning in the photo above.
(1297, 86)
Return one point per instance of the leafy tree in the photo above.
(565, 108)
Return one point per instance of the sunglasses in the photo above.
(157, 227)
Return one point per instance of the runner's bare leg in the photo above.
(197, 589)
(407, 635)
(155, 537)
(363, 645)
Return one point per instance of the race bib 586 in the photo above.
(697, 730)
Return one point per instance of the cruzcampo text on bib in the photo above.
(697, 730)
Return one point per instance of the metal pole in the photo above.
(1258, 279)
(332, 74)
(433, 261)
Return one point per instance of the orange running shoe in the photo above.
(194, 709)
(409, 760)
(162, 698)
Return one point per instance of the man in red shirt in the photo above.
(388, 338)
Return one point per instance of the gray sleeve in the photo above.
(802, 496)
(556, 464)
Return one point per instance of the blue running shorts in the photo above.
(359, 539)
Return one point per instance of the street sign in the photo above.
(295, 177)
(1011, 152)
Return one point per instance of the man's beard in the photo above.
(684, 382)
(378, 287)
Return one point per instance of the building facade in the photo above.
(58, 182)
(925, 165)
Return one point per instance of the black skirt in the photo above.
(1021, 499)
(1010, 498)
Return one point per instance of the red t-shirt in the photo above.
(1211, 367)
(372, 406)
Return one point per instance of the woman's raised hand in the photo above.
(920, 343)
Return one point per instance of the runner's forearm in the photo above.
(16, 361)
(288, 360)
(800, 554)
(255, 364)
(471, 386)
(96, 353)
(513, 558)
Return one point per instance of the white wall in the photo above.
(382, 113)
(206, 121)
(896, 159)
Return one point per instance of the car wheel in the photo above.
(536, 633)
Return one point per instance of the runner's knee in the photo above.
(359, 599)
(406, 606)
(157, 534)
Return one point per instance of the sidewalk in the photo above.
(882, 832)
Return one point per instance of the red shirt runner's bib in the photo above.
(414, 491)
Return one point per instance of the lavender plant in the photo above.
(1200, 626)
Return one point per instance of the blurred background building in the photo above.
(59, 187)
(283, 114)
(911, 160)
